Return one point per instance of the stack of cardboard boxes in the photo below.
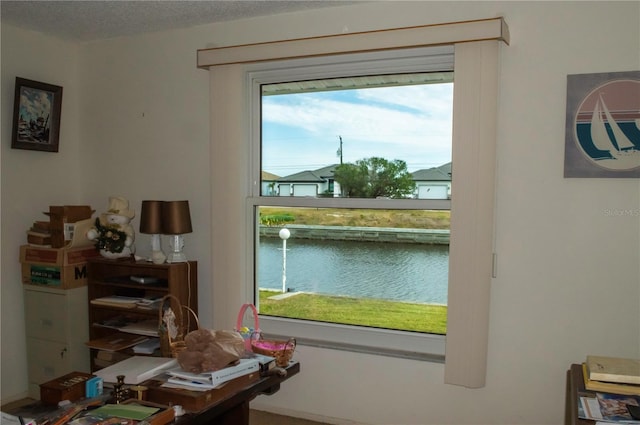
(63, 264)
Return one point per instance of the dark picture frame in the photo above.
(36, 116)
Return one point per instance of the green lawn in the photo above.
(427, 318)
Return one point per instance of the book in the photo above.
(143, 327)
(217, 377)
(136, 369)
(41, 226)
(605, 407)
(37, 238)
(608, 387)
(613, 369)
(178, 382)
(266, 363)
(117, 341)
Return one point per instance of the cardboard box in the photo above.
(63, 268)
(60, 217)
(68, 387)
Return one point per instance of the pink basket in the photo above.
(281, 350)
(245, 331)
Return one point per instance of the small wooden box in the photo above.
(68, 387)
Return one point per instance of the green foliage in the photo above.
(110, 238)
(276, 219)
(375, 177)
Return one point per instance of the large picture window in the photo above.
(357, 168)
(237, 76)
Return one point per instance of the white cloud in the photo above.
(412, 123)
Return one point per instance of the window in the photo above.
(339, 252)
(235, 195)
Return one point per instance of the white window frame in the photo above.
(477, 48)
(333, 335)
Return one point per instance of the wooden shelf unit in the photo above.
(108, 277)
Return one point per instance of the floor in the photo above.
(256, 417)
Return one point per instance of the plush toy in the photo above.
(113, 234)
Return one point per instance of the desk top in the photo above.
(266, 385)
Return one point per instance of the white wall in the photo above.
(32, 180)
(568, 279)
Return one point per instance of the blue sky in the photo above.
(411, 123)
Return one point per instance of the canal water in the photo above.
(392, 271)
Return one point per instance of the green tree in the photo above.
(375, 177)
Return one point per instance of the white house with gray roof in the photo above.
(433, 183)
(309, 183)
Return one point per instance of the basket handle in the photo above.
(243, 309)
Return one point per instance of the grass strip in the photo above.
(427, 318)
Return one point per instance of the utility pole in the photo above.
(340, 150)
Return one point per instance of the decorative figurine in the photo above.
(113, 234)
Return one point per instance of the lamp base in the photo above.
(176, 257)
(158, 257)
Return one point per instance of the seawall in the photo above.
(361, 234)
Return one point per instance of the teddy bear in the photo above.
(113, 233)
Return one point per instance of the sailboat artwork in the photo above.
(606, 126)
(617, 143)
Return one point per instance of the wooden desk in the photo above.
(234, 410)
(231, 410)
(575, 386)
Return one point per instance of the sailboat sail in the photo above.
(617, 143)
(599, 134)
(620, 138)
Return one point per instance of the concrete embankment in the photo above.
(361, 234)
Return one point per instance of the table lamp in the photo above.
(176, 221)
(151, 223)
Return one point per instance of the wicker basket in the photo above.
(172, 342)
(281, 350)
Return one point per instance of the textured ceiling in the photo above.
(93, 20)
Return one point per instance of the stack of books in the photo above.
(39, 234)
(210, 380)
(612, 375)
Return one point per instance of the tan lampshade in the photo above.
(151, 217)
(176, 218)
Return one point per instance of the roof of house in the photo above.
(268, 176)
(441, 173)
(315, 176)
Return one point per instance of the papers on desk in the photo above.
(7, 419)
(147, 347)
(117, 341)
(136, 369)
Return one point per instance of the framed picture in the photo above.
(36, 116)
(602, 131)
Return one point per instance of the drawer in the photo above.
(47, 360)
(46, 315)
